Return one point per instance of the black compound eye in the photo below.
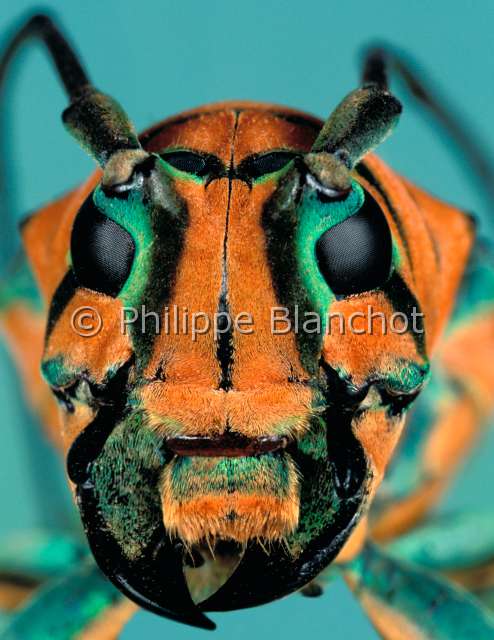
(191, 162)
(355, 255)
(256, 166)
(102, 251)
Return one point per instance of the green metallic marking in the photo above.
(126, 478)
(280, 220)
(263, 475)
(134, 216)
(313, 443)
(396, 257)
(408, 376)
(274, 175)
(319, 502)
(182, 175)
(56, 372)
(177, 173)
(316, 217)
(156, 217)
(295, 227)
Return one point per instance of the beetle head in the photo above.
(178, 442)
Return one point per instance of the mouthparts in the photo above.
(228, 445)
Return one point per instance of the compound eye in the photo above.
(102, 251)
(355, 255)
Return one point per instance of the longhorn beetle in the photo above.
(231, 469)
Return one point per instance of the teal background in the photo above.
(160, 57)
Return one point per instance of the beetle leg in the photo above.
(450, 414)
(41, 555)
(31, 559)
(14, 591)
(80, 604)
(406, 601)
(22, 327)
(458, 545)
